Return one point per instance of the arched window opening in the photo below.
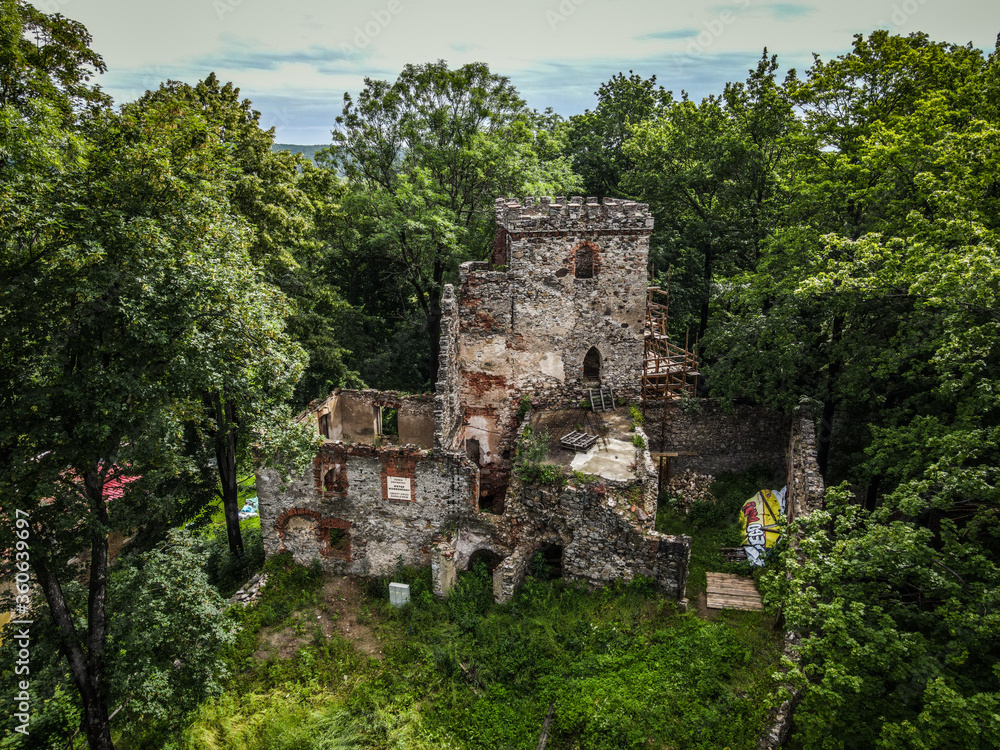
(340, 544)
(586, 261)
(592, 365)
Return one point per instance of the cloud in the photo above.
(669, 34)
(250, 55)
(788, 11)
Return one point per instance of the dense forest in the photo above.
(174, 291)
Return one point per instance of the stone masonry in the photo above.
(426, 480)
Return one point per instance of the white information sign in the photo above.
(398, 488)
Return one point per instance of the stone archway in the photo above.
(487, 556)
(592, 365)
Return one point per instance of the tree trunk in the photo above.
(225, 457)
(86, 666)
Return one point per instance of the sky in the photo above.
(296, 59)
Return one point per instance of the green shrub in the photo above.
(523, 408)
(227, 573)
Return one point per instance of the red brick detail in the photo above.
(480, 383)
(501, 243)
(323, 526)
(330, 473)
(398, 465)
(479, 411)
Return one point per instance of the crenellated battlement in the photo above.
(573, 214)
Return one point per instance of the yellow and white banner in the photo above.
(759, 519)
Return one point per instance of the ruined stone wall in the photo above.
(805, 483)
(343, 512)
(353, 416)
(557, 316)
(605, 528)
(606, 533)
(512, 572)
(720, 440)
(525, 327)
(447, 400)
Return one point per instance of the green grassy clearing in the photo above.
(623, 668)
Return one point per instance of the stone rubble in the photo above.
(250, 591)
(687, 487)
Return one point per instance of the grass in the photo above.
(623, 668)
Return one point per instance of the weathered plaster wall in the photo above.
(353, 416)
(721, 440)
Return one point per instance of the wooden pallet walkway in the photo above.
(726, 591)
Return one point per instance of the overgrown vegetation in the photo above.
(172, 289)
(621, 666)
(713, 524)
(529, 464)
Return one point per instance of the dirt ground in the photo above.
(610, 424)
(338, 612)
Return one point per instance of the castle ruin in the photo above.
(555, 320)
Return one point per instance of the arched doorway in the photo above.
(547, 562)
(489, 558)
(592, 365)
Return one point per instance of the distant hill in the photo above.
(307, 151)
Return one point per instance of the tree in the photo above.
(844, 187)
(596, 140)
(48, 58)
(426, 157)
(710, 173)
(131, 297)
(262, 187)
(898, 628)
(167, 634)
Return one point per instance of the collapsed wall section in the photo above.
(360, 416)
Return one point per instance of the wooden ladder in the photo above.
(606, 405)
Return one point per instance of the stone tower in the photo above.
(558, 310)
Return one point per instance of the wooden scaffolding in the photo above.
(669, 371)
